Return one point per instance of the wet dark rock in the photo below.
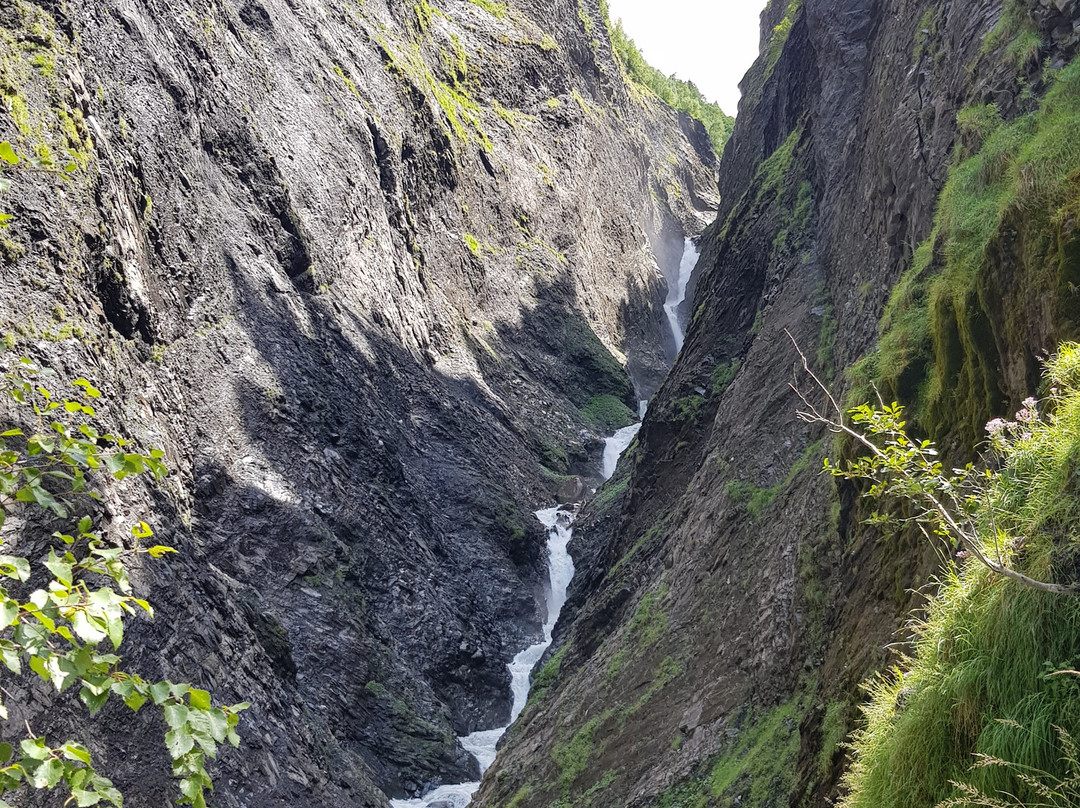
(360, 329)
(761, 590)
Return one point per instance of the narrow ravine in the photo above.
(482, 745)
(559, 522)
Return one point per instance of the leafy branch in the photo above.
(961, 506)
(58, 630)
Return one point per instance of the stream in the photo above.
(482, 745)
(559, 522)
(677, 292)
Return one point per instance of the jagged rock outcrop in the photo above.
(728, 601)
(361, 269)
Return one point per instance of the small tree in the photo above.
(63, 616)
(973, 508)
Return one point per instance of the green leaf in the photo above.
(160, 550)
(6, 751)
(7, 153)
(76, 751)
(199, 699)
(93, 701)
(60, 568)
(14, 567)
(88, 388)
(159, 692)
(11, 433)
(48, 774)
(85, 798)
(88, 629)
(11, 658)
(34, 748)
(142, 531)
(135, 701)
(86, 524)
(219, 725)
(9, 613)
(176, 715)
(179, 741)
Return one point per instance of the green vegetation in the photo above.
(520, 796)
(770, 175)
(833, 731)
(553, 456)
(477, 247)
(757, 499)
(1015, 32)
(944, 319)
(608, 413)
(991, 672)
(463, 114)
(491, 7)
(572, 756)
(723, 375)
(52, 461)
(682, 95)
(611, 491)
(543, 680)
(686, 409)
(761, 765)
(756, 771)
(648, 537)
(780, 34)
(649, 622)
(596, 370)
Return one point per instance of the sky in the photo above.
(709, 42)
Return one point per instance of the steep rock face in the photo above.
(729, 602)
(360, 269)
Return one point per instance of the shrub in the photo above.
(49, 469)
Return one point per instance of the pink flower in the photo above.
(996, 427)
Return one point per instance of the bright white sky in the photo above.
(709, 42)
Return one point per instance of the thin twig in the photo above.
(969, 539)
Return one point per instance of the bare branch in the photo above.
(942, 513)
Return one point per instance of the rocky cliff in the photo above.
(729, 599)
(369, 272)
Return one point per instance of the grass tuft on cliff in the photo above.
(987, 675)
(1003, 250)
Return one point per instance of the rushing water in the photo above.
(614, 447)
(482, 745)
(677, 292)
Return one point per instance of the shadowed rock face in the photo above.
(357, 267)
(726, 592)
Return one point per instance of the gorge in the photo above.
(442, 313)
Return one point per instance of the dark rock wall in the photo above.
(728, 601)
(357, 268)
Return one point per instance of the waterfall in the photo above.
(677, 292)
(482, 745)
(614, 447)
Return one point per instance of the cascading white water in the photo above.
(677, 292)
(482, 745)
(614, 447)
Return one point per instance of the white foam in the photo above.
(677, 292)
(483, 745)
(614, 447)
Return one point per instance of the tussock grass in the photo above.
(939, 346)
(983, 678)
